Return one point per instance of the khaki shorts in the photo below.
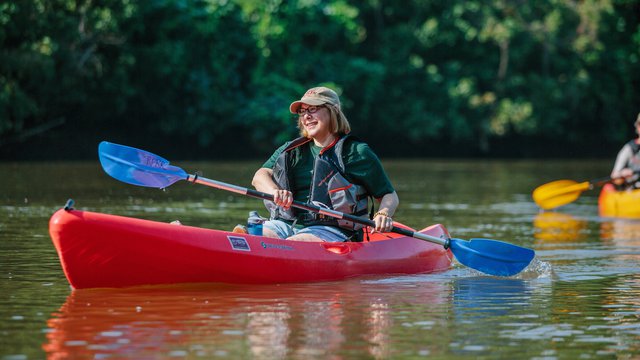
(285, 230)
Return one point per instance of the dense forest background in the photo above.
(212, 79)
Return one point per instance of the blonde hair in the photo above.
(338, 122)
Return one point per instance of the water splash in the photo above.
(538, 269)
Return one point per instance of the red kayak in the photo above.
(102, 250)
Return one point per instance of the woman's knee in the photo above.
(270, 233)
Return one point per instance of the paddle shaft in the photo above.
(310, 207)
(601, 181)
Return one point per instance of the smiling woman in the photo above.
(328, 167)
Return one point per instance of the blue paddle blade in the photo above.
(492, 257)
(138, 167)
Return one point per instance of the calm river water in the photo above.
(580, 298)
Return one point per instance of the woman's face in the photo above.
(316, 120)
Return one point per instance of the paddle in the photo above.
(561, 192)
(139, 167)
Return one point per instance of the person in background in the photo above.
(328, 167)
(627, 165)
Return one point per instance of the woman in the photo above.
(326, 167)
(627, 165)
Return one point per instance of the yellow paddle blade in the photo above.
(558, 193)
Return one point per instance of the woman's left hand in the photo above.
(388, 205)
(384, 223)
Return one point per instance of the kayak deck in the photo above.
(102, 250)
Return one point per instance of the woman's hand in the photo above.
(263, 181)
(283, 198)
(382, 218)
(626, 172)
(383, 221)
(619, 177)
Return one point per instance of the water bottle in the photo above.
(254, 223)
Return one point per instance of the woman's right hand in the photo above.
(283, 198)
(618, 177)
(263, 181)
(626, 172)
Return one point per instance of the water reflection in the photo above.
(488, 296)
(482, 307)
(624, 232)
(558, 227)
(263, 322)
(621, 300)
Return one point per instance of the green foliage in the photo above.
(207, 75)
(188, 77)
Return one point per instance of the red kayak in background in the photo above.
(102, 250)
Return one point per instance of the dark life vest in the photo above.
(329, 188)
(634, 161)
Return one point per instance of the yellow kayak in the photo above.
(620, 204)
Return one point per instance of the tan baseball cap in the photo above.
(316, 96)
